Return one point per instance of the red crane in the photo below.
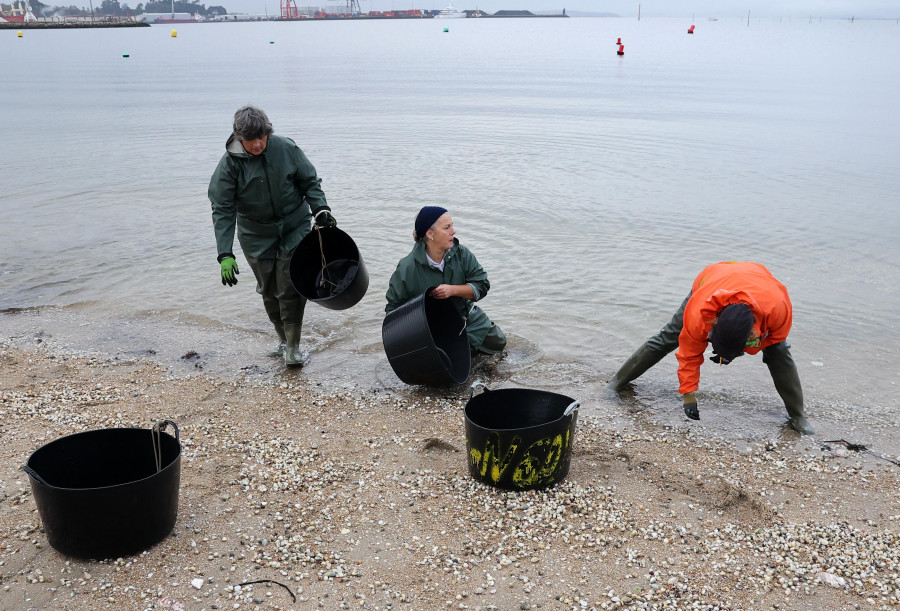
(289, 9)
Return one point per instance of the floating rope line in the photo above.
(250, 583)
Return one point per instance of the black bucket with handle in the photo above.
(328, 269)
(107, 493)
(426, 342)
(518, 438)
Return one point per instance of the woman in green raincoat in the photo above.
(438, 260)
(266, 187)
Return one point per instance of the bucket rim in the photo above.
(521, 428)
(360, 276)
(37, 481)
(573, 413)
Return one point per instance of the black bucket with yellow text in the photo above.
(519, 439)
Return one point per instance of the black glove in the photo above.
(690, 406)
(324, 218)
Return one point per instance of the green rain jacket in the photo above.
(270, 197)
(414, 274)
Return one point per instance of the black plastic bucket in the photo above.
(426, 343)
(519, 439)
(326, 268)
(100, 494)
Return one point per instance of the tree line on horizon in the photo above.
(116, 9)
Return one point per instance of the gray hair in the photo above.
(251, 123)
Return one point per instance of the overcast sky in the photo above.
(889, 9)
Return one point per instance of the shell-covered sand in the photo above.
(360, 498)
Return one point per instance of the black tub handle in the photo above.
(34, 474)
(475, 387)
(155, 432)
(573, 406)
(161, 425)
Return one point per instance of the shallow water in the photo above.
(592, 188)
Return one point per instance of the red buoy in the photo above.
(621, 50)
(618, 41)
(691, 30)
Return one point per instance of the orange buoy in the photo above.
(621, 50)
(691, 30)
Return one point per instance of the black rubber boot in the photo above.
(292, 355)
(279, 329)
(643, 359)
(787, 382)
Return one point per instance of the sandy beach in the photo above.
(362, 499)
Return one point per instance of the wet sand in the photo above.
(349, 494)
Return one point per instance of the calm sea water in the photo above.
(592, 188)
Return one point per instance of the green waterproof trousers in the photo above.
(283, 303)
(651, 352)
(777, 358)
(484, 335)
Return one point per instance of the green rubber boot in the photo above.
(787, 382)
(643, 359)
(282, 340)
(292, 355)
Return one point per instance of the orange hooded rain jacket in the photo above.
(717, 286)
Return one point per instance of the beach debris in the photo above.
(440, 444)
(168, 603)
(835, 581)
(247, 583)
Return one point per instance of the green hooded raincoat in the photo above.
(414, 274)
(270, 197)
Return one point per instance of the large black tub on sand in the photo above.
(107, 493)
(426, 342)
(327, 269)
(519, 439)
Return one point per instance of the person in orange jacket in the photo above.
(738, 307)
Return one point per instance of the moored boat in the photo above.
(450, 12)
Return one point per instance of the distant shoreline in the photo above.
(66, 25)
(102, 23)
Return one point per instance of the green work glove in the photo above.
(324, 218)
(229, 270)
(690, 406)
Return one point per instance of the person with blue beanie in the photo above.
(438, 260)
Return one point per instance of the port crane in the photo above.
(289, 8)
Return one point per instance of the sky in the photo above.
(879, 9)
